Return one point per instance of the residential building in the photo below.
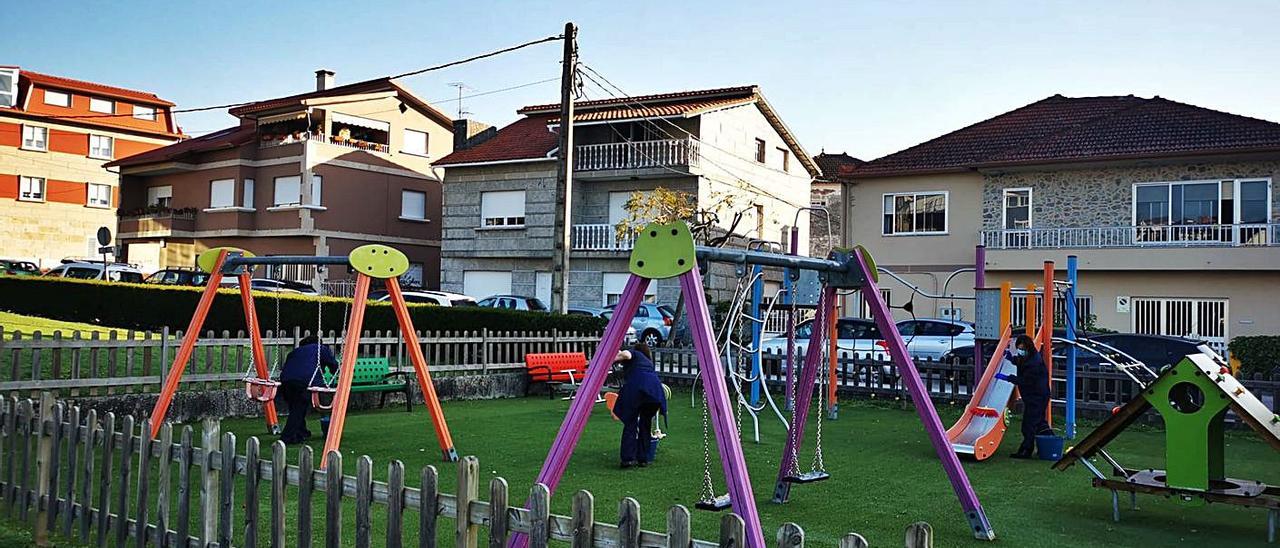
(1168, 206)
(726, 148)
(56, 135)
(318, 173)
(827, 197)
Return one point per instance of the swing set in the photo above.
(667, 251)
(367, 262)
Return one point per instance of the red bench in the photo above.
(560, 371)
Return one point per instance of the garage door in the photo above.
(483, 283)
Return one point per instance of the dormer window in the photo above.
(144, 113)
(57, 98)
(105, 106)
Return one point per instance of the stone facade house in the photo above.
(1169, 208)
(318, 173)
(57, 136)
(727, 148)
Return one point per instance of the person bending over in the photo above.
(639, 400)
(1032, 381)
(297, 375)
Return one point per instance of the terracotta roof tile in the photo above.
(94, 88)
(224, 138)
(836, 166)
(739, 92)
(527, 138)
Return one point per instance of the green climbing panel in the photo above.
(1193, 409)
(378, 261)
(663, 250)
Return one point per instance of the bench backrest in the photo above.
(552, 366)
(368, 371)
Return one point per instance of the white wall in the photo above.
(483, 283)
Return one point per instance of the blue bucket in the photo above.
(652, 450)
(1049, 446)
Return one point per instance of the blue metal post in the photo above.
(757, 331)
(1072, 280)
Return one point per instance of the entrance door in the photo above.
(1178, 317)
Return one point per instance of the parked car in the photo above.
(514, 302)
(652, 322)
(605, 314)
(852, 335)
(85, 270)
(931, 338)
(18, 268)
(273, 286)
(1155, 351)
(438, 298)
(178, 276)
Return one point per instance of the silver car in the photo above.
(652, 322)
(931, 338)
(605, 314)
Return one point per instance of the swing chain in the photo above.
(823, 385)
(708, 487)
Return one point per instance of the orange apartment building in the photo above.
(56, 135)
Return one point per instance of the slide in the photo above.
(980, 429)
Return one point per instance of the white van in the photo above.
(116, 272)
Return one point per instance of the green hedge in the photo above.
(1257, 353)
(152, 307)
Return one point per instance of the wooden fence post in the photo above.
(790, 535)
(919, 535)
(227, 489)
(539, 516)
(484, 349)
(252, 479)
(678, 534)
(333, 500)
(853, 540)
(395, 504)
(498, 506)
(364, 499)
(428, 506)
(107, 477)
(629, 523)
(584, 519)
(210, 434)
(306, 484)
(186, 454)
(467, 535)
(44, 466)
(732, 531)
(279, 480)
(164, 485)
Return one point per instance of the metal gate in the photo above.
(1192, 318)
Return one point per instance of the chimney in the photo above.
(324, 79)
(469, 133)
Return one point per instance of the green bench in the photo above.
(375, 375)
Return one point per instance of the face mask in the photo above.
(1022, 352)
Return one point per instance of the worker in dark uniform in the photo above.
(640, 399)
(1032, 381)
(297, 376)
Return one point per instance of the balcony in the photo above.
(1145, 237)
(601, 237)
(158, 222)
(636, 155)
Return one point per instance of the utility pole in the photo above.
(564, 174)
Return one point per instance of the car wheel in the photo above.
(651, 338)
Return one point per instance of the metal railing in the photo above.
(1151, 236)
(599, 237)
(636, 155)
(353, 143)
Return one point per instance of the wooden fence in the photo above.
(98, 479)
(78, 364)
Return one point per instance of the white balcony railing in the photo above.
(352, 143)
(1237, 235)
(636, 155)
(598, 238)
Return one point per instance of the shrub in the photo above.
(1257, 353)
(152, 307)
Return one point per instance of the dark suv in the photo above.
(178, 276)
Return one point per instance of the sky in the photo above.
(864, 77)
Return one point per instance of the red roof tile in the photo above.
(650, 101)
(835, 167)
(1065, 129)
(94, 88)
(224, 138)
(526, 139)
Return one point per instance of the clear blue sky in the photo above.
(865, 77)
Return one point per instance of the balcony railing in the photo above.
(353, 143)
(636, 155)
(1177, 236)
(598, 238)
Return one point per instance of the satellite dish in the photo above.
(104, 236)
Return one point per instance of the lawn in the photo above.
(30, 324)
(884, 476)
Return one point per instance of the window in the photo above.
(57, 98)
(1017, 208)
(504, 208)
(8, 87)
(760, 150)
(1202, 211)
(317, 189)
(818, 201)
(222, 193)
(413, 205)
(105, 106)
(35, 138)
(144, 113)
(288, 191)
(415, 142)
(102, 146)
(247, 201)
(31, 189)
(786, 158)
(160, 196)
(915, 213)
(99, 195)
(613, 284)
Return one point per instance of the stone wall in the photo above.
(821, 225)
(1104, 196)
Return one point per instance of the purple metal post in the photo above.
(924, 407)
(804, 394)
(575, 420)
(790, 359)
(719, 410)
(979, 282)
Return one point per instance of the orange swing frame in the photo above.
(346, 371)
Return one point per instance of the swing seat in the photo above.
(807, 477)
(318, 399)
(263, 390)
(718, 504)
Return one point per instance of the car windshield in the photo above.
(127, 277)
(82, 273)
(536, 304)
(859, 330)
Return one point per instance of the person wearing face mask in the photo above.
(1032, 381)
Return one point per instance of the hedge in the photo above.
(1257, 353)
(152, 307)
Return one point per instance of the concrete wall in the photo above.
(464, 237)
(934, 252)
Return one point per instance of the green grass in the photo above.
(885, 476)
(30, 324)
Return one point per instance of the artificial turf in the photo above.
(884, 475)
